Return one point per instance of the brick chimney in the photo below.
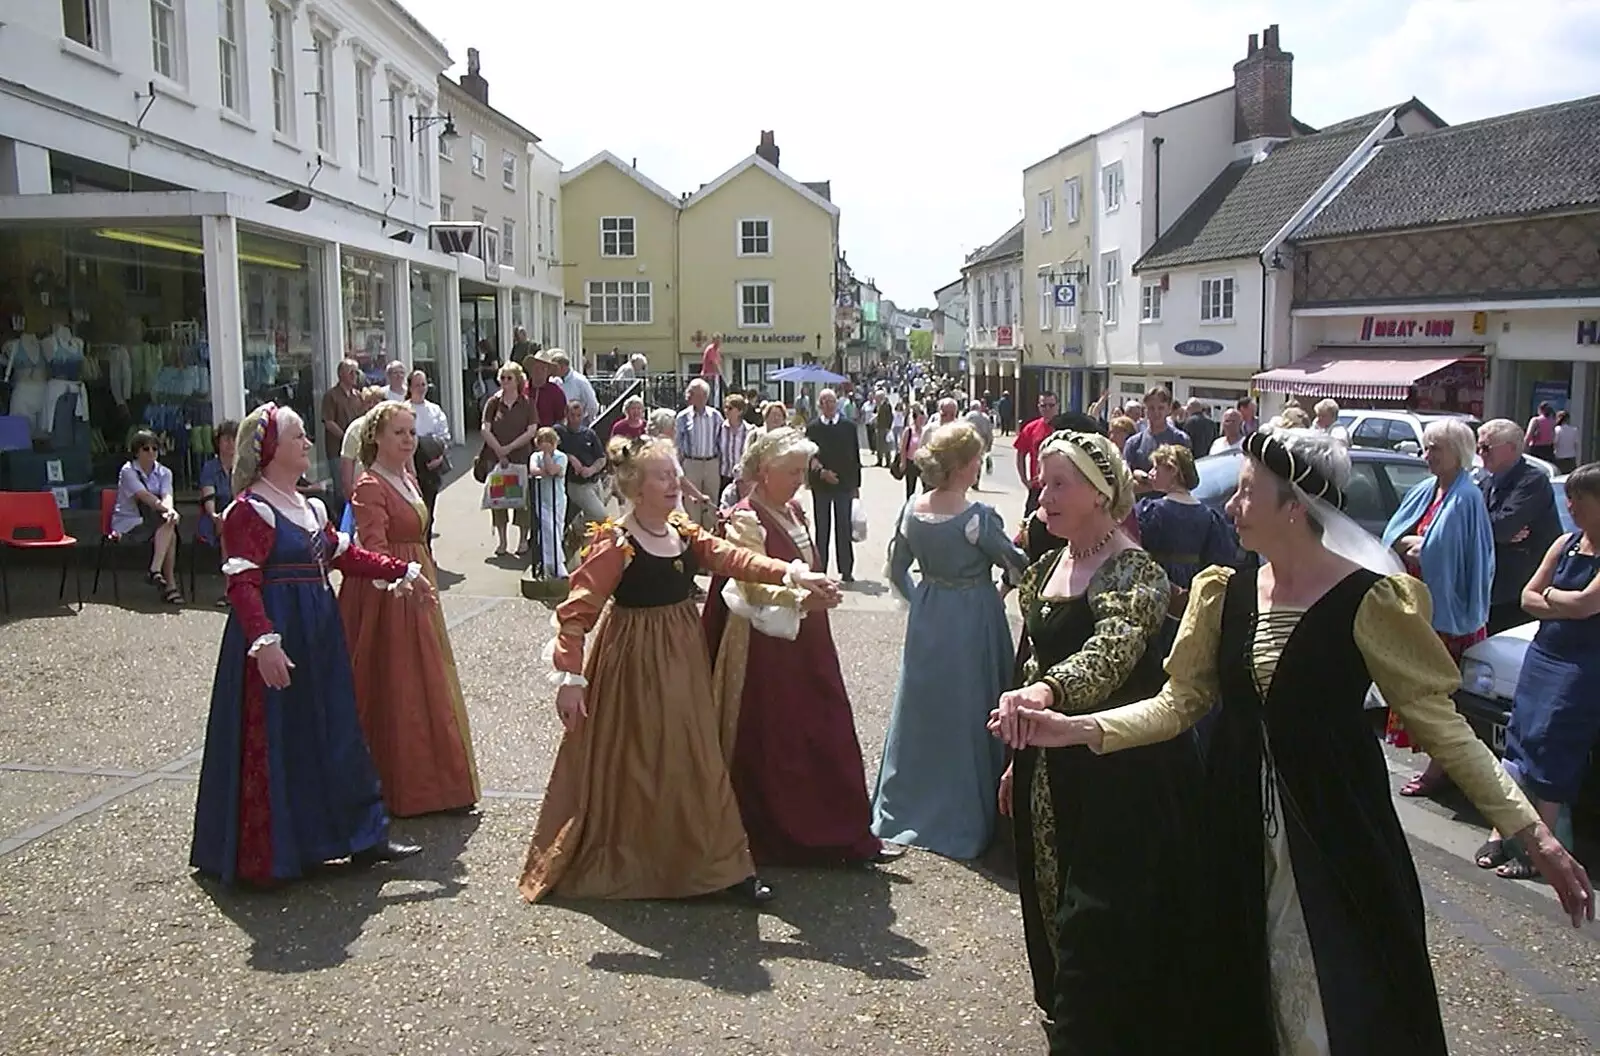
(472, 81)
(768, 150)
(1261, 91)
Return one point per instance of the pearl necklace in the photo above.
(1074, 554)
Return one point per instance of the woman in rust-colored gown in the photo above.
(407, 693)
(639, 804)
(787, 728)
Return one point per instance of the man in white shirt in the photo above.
(636, 367)
(948, 409)
(398, 375)
(1232, 433)
(698, 436)
(575, 385)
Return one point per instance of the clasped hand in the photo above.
(1024, 719)
(819, 585)
(418, 589)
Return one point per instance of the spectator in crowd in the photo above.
(883, 432)
(1232, 432)
(399, 391)
(698, 438)
(1029, 439)
(1540, 437)
(1135, 409)
(1157, 431)
(144, 512)
(1443, 535)
(509, 425)
(350, 453)
(910, 441)
(1292, 417)
(1005, 409)
(633, 424)
(736, 437)
(1327, 420)
(433, 443)
(1246, 406)
(1522, 515)
(977, 416)
(548, 399)
(586, 461)
(1566, 442)
(835, 482)
(548, 494)
(664, 426)
(216, 488)
(1119, 430)
(1199, 425)
(521, 347)
(341, 405)
(635, 368)
(574, 385)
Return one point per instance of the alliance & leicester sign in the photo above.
(764, 339)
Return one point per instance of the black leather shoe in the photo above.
(387, 851)
(753, 890)
(888, 852)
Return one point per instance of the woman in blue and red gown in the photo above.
(787, 729)
(287, 782)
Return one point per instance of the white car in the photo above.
(1402, 431)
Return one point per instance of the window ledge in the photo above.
(170, 89)
(285, 141)
(87, 54)
(1217, 322)
(328, 160)
(233, 117)
(1149, 322)
(367, 177)
(755, 326)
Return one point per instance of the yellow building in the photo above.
(747, 259)
(1057, 250)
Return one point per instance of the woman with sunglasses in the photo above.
(144, 513)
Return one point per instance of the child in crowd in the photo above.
(548, 470)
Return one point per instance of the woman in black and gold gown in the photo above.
(1100, 840)
(1319, 941)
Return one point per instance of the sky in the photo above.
(924, 114)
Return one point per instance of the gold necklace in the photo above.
(1078, 555)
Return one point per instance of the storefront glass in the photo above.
(367, 286)
(280, 289)
(480, 348)
(102, 329)
(430, 335)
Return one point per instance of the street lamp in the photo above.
(423, 121)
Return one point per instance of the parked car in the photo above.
(1379, 480)
(1402, 431)
(1489, 674)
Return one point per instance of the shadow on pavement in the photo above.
(870, 587)
(310, 925)
(840, 917)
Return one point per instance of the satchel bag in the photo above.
(486, 458)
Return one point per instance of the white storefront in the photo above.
(188, 237)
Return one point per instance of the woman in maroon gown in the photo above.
(787, 729)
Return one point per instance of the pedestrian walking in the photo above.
(835, 482)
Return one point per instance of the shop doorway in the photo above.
(480, 353)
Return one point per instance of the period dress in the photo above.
(286, 782)
(407, 691)
(941, 769)
(639, 804)
(788, 730)
(1319, 945)
(1555, 720)
(1102, 841)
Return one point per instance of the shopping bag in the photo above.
(858, 521)
(506, 488)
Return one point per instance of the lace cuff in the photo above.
(791, 578)
(413, 571)
(264, 641)
(561, 679)
(344, 544)
(235, 565)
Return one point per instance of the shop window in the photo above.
(280, 284)
(367, 287)
(430, 335)
(84, 21)
(103, 329)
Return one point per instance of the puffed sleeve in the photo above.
(1128, 596)
(589, 588)
(744, 530)
(371, 513)
(997, 546)
(1192, 687)
(725, 559)
(1414, 671)
(247, 539)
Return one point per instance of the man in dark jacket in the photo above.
(835, 479)
(1201, 429)
(1522, 513)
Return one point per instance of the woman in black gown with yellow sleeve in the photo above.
(1099, 840)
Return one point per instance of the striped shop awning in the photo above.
(1369, 374)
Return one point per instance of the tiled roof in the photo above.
(822, 188)
(1008, 244)
(1370, 119)
(1521, 164)
(1249, 202)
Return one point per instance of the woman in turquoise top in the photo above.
(940, 774)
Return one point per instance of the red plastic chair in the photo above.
(30, 520)
(108, 506)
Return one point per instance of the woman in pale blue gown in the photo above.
(940, 773)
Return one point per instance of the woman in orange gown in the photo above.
(407, 693)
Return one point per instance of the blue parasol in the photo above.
(807, 374)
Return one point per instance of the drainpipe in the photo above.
(1263, 262)
(1156, 142)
